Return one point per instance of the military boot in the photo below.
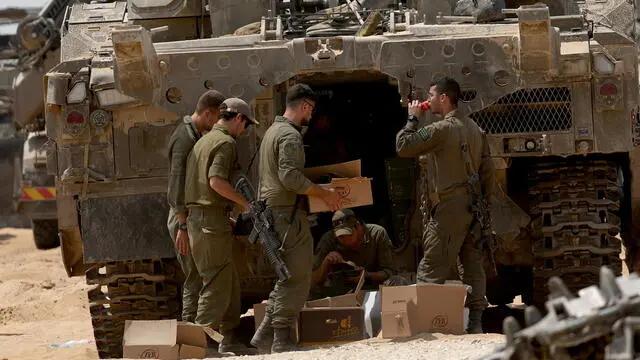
(282, 340)
(231, 344)
(263, 338)
(475, 322)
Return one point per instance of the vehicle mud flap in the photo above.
(72, 251)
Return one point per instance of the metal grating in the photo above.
(528, 110)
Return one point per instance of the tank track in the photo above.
(131, 290)
(575, 207)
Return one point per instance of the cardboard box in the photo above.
(349, 169)
(351, 186)
(352, 299)
(353, 192)
(430, 308)
(333, 320)
(369, 301)
(331, 325)
(163, 339)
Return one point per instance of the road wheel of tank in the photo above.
(574, 205)
(131, 290)
(45, 234)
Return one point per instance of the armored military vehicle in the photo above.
(10, 140)
(557, 96)
(36, 44)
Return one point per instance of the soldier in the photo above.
(189, 130)
(366, 245)
(459, 148)
(210, 198)
(281, 184)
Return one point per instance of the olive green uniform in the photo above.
(448, 234)
(180, 145)
(281, 180)
(373, 255)
(209, 227)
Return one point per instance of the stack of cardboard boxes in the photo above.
(393, 312)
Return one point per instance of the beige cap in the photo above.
(238, 106)
(343, 222)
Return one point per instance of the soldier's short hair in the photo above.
(298, 93)
(211, 99)
(448, 86)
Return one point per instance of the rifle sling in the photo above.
(291, 218)
(468, 164)
(466, 156)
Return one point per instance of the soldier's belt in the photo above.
(225, 211)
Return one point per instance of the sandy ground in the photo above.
(423, 347)
(40, 306)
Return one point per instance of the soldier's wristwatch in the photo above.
(183, 227)
(412, 118)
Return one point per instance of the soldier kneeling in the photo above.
(367, 246)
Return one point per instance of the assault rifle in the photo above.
(262, 228)
(602, 322)
(480, 208)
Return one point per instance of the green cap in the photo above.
(343, 222)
